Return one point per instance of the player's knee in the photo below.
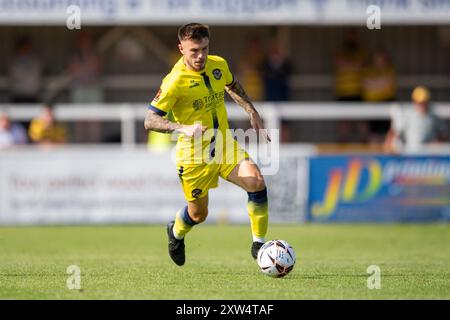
(255, 184)
(198, 216)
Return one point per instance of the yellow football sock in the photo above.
(258, 211)
(183, 223)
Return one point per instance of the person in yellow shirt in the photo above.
(250, 68)
(349, 63)
(45, 130)
(379, 79)
(194, 91)
(379, 84)
(348, 66)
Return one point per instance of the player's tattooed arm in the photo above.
(237, 92)
(155, 122)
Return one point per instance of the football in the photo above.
(276, 258)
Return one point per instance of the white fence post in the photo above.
(127, 126)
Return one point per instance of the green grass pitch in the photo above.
(131, 262)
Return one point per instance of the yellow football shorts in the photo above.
(196, 180)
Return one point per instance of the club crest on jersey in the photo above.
(156, 98)
(197, 104)
(217, 74)
(196, 193)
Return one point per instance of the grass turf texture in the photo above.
(131, 262)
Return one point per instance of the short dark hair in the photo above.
(193, 31)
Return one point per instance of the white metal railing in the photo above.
(272, 113)
(304, 81)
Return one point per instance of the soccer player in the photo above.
(194, 92)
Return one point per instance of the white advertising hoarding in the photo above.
(84, 186)
(254, 12)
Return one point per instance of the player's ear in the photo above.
(180, 47)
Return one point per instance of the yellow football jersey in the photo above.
(196, 97)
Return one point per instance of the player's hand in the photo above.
(257, 124)
(194, 130)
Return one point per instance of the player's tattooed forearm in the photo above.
(237, 92)
(157, 123)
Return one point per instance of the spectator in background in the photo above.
(250, 69)
(45, 130)
(11, 134)
(85, 70)
(379, 79)
(379, 85)
(25, 73)
(349, 63)
(415, 127)
(276, 71)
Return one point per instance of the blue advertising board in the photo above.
(379, 188)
